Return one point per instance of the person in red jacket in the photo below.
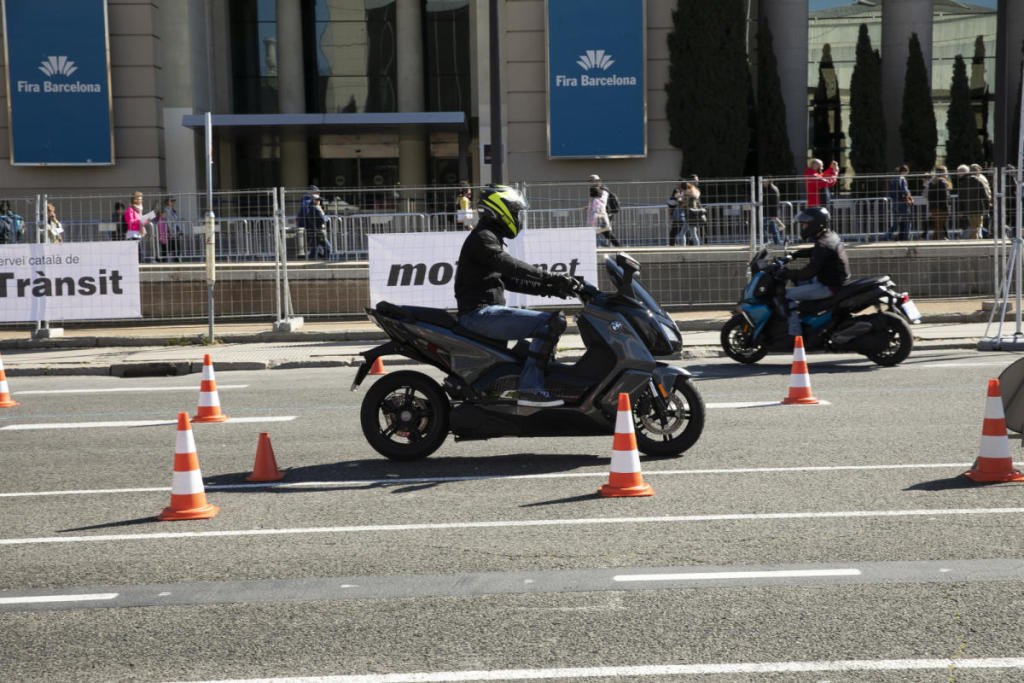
(818, 181)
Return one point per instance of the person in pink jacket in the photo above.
(135, 220)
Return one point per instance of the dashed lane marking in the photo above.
(133, 423)
(123, 389)
(490, 477)
(38, 599)
(510, 524)
(946, 666)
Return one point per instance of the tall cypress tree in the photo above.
(867, 124)
(706, 118)
(962, 144)
(826, 118)
(917, 126)
(774, 154)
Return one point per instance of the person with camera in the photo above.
(483, 273)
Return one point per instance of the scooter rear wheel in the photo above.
(404, 415)
(668, 427)
(737, 341)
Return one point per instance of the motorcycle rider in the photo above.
(827, 270)
(485, 270)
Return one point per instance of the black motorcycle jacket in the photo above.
(485, 270)
(828, 261)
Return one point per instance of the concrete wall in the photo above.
(677, 278)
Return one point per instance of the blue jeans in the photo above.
(901, 222)
(771, 229)
(321, 248)
(503, 322)
(807, 290)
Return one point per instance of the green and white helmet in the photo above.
(503, 204)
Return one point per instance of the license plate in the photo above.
(911, 310)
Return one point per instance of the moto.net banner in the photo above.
(79, 281)
(597, 103)
(418, 269)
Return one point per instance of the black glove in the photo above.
(562, 285)
(782, 274)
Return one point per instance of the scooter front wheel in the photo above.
(405, 415)
(668, 426)
(738, 342)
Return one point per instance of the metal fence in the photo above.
(259, 238)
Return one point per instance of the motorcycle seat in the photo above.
(849, 289)
(439, 317)
(423, 314)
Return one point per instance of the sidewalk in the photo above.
(179, 349)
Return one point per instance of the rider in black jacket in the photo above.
(828, 269)
(485, 270)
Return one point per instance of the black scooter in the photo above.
(761, 325)
(406, 415)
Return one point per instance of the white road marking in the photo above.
(125, 389)
(954, 364)
(713, 576)
(491, 477)
(36, 599)
(134, 423)
(508, 524)
(757, 404)
(944, 665)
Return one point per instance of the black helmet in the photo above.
(503, 204)
(812, 220)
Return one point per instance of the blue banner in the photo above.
(58, 82)
(596, 90)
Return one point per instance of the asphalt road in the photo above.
(792, 543)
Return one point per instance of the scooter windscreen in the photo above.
(659, 332)
(639, 292)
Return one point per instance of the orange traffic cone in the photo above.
(188, 498)
(625, 478)
(209, 401)
(994, 462)
(5, 394)
(378, 367)
(799, 379)
(265, 468)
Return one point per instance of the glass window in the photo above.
(254, 56)
(446, 55)
(351, 63)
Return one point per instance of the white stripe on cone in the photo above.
(208, 372)
(3, 386)
(798, 353)
(185, 442)
(625, 462)
(800, 380)
(187, 483)
(208, 399)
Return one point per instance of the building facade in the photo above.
(357, 93)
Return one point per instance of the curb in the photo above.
(179, 368)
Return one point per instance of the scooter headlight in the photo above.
(671, 332)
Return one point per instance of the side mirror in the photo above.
(630, 267)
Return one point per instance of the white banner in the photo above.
(418, 269)
(74, 281)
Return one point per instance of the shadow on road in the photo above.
(407, 477)
(958, 482)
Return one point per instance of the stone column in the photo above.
(899, 21)
(291, 93)
(788, 22)
(177, 88)
(412, 140)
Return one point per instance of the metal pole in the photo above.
(211, 262)
(497, 152)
